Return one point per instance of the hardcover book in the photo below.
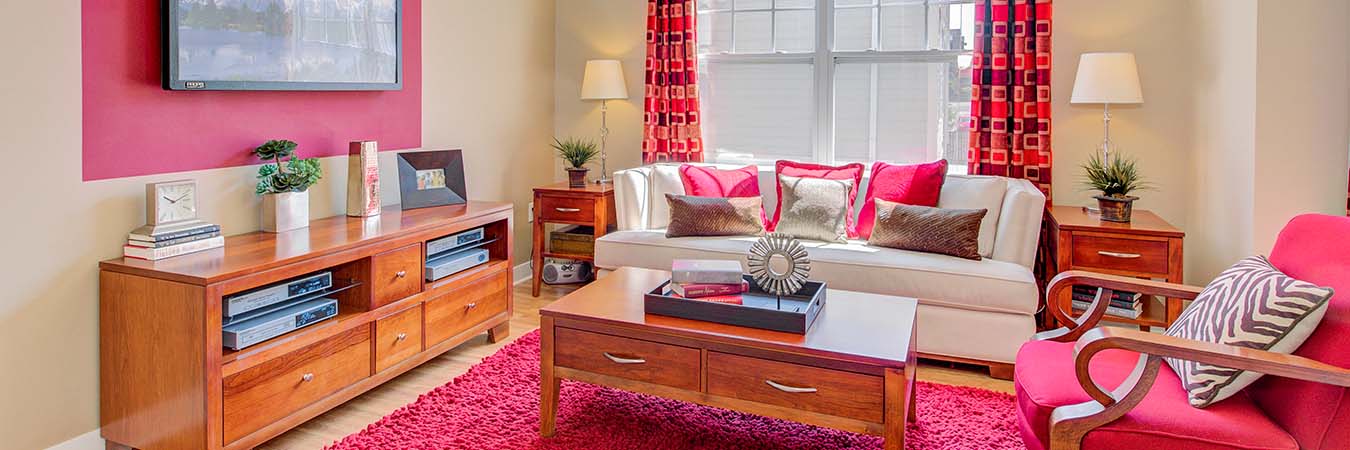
(163, 233)
(697, 290)
(154, 254)
(706, 271)
(172, 242)
(1112, 310)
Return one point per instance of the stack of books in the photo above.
(708, 280)
(1123, 304)
(154, 243)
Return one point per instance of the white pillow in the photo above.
(976, 192)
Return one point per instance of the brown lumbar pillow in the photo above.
(715, 216)
(814, 208)
(954, 232)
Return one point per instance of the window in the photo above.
(836, 80)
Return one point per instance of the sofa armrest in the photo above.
(632, 198)
(1019, 223)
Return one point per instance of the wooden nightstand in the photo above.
(591, 206)
(1147, 247)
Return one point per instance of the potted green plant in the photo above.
(577, 153)
(1115, 178)
(284, 185)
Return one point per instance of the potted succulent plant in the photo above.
(1115, 178)
(577, 153)
(284, 186)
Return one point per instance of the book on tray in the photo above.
(706, 271)
(699, 290)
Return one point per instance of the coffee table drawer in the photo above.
(826, 391)
(632, 359)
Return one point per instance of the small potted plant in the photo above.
(577, 153)
(284, 186)
(1115, 178)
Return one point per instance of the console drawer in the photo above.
(272, 390)
(632, 359)
(397, 274)
(566, 209)
(826, 391)
(1120, 254)
(398, 337)
(458, 310)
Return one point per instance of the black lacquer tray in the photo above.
(758, 309)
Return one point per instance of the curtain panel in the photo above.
(1010, 96)
(671, 130)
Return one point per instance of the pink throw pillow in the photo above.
(852, 171)
(703, 181)
(913, 184)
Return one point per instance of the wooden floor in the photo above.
(361, 411)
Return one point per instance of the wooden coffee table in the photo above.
(853, 371)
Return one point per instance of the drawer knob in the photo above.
(1119, 254)
(567, 210)
(401, 337)
(307, 377)
(401, 273)
(471, 306)
(790, 389)
(619, 360)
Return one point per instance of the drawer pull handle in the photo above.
(307, 377)
(401, 337)
(471, 305)
(618, 360)
(567, 210)
(1119, 254)
(401, 274)
(790, 389)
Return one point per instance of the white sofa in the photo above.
(969, 311)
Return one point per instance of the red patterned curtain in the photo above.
(1010, 99)
(671, 130)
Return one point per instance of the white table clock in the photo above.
(170, 202)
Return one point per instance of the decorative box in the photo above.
(573, 240)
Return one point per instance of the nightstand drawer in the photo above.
(1120, 254)
(566, 209)
(398, 274)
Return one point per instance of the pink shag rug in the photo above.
(496, 406)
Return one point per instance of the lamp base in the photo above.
(603, 180)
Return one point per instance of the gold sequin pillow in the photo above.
(953, 232)
(715, 216)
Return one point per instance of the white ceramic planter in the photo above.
(285, 212)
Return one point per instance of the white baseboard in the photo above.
(521, 273)
(87, 441)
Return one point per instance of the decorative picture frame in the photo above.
(431, 178)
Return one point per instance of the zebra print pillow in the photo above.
(1253, 305)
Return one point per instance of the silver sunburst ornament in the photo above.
(792, 251)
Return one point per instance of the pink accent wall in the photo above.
(134, 127)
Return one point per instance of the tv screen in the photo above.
(283, 45)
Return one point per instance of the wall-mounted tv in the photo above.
(283, 45)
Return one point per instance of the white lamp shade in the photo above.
(603, 81)
(1107, 78)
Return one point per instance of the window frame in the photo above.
(824, 59)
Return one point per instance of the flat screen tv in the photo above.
(283, 45)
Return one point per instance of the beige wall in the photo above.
(601, 29)
(488, 69)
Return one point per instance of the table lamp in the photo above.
(1107, 78)
(604, 82)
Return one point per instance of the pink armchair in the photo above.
(1062, 376)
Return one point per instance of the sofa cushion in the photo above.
(665, 179)
(852, 172)
(714, 216)
(986, 285)
(977, 192)
(1045, 379)
(813, 208)
(911, 184)
(953, 232)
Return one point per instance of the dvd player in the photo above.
(238, 336)
(453, 242)
(263, 297)
(452, 263)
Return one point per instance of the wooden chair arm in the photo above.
(1068, 424)
(1106, 286)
